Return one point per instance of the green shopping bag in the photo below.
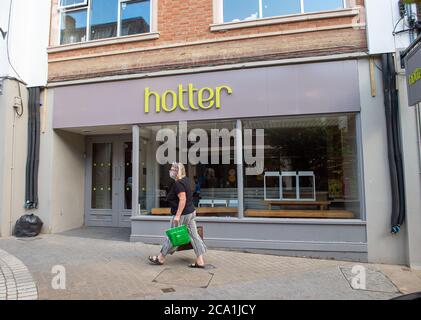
(178, 235)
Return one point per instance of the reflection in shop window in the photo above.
(214, 185)
(310, 169)
(317, 5)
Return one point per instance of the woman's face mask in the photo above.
(173, 173)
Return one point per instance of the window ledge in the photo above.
(104, 42)
(357, 222)
(348, 12)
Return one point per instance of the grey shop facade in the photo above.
(307, 200)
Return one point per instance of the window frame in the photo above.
(84, 3)
(120, 2)
(87, 7)
(260, 13)
(62, 11)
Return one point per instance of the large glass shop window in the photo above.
(310, 168)
(210, 169)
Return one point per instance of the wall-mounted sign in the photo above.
(413, 75)
(284, 90)
(185, 98)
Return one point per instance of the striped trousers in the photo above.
(198, 245)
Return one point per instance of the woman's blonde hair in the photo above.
(181, 170)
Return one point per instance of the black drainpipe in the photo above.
(32, 161)
(394, 146)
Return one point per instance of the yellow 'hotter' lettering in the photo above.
(206, 98)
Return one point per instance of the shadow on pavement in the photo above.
(103, 233)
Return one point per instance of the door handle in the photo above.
(121, 173)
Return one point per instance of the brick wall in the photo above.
(185, 40)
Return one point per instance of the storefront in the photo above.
(294, 183)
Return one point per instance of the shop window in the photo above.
(213, 179)
(103, 19)
(255, 9)
(310, 168)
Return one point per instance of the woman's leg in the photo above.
(198, 245)
(167, 247)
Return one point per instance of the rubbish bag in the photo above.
(29, 225)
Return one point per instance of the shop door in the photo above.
(108, 181)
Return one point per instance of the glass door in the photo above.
(108, 181)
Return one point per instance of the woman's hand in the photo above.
(176, 220)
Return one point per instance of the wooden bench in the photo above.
(323, 205)
(202, 211)
(331, 214)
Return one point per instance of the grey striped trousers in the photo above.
(198, 245)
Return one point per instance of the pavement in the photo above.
(100, 263)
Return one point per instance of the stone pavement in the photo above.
(16, 282)
(100, 263)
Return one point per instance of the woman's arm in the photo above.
(181, 206)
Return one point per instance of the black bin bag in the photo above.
(29, 225)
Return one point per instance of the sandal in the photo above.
(155, 260)
(195, 265)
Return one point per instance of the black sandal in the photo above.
(195, 265)
(155, 260)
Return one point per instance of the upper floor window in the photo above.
(84, 20)
(255, 9)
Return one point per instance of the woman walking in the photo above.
(180, 198)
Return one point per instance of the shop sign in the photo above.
(185, 98)
(413, 72)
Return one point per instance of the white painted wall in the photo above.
(412, 171)
(382, 17)
(383, 247)
(28, 40)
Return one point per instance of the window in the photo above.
(273, 8)
(310, 168)
(101, 19)
(73, 26)
(248, 10)
(211, 169)
(72, 3)
(135, 17)
(255, 9)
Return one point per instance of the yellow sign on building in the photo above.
(207, 98)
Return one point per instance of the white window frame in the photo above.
(84, 3)
(151, 4)
(87, 6)
(63, 10)
(260, 13)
